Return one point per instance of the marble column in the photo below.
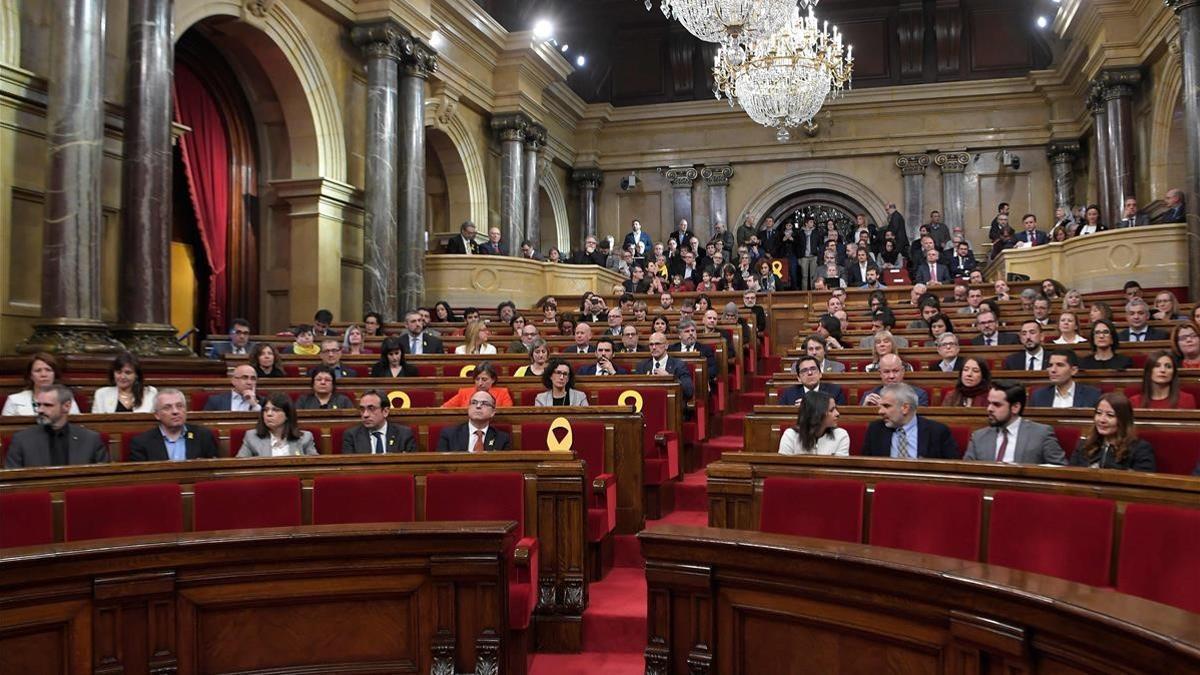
(1100, 139)
(953, 166)
(588, 181)
(535, 140)
(681, 179)
(380, 45)
(417, 61)
(73, 224)
(912, 172)
(717, 178)
(1062, 156)
(1117, 87)
(510, 129)
(1188, 12)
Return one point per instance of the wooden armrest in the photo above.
(525, 552)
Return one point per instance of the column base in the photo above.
(151, 339)
(70, 336)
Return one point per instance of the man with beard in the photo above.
(54, 441)
(1010, 438)
(903, 434)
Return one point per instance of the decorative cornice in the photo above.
(1063, 152)
(442, 103)
(950, 162)
(378, 39)
(417, 58)
(587, 179)
(681, 176)
(1117, 83)
(1180, 5)
(717, 175)
(510, 126)
(912, 165)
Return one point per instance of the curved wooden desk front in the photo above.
(731, 601)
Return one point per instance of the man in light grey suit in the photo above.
(55, 441)
(1009, 438)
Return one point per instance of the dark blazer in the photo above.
(936, 366)
(1117, 362)
(221, 402)
(1001, 339)
(793, 393)
(675, 367)
(383, 370)
(634, 237)
(458, 439)
(1139, 458)
(1175, 215)
(1085, 397)
(457, 245)
(1137, 221)
(149, 446)
(1037, 239)
(341, 371)
(429, 344)
(709, 354)
(336, 402)
(923, 276)
(493, 249)
(590, 369)
(220, 349)
(1020, 360)
(897, 227)
(934, 440)
(574, 349)
(962, 266)
(1152, 333)
(854, 274)
(31, 447)
(399, 438)
(582, 257)
(922, 395)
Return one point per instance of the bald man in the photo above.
(660, 363)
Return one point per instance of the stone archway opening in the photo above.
(821, 205)
(448, 195)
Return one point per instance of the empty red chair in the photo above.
(122, 511)
(660, 445)
(244, 504)
(942, 520)
(588, 445)
(1062, 536)
(1176, 450)
(491, 496)
(856, 430)
(825, 509)
(1068, 436)
(1160, 555)
(362, 498)
(26, 519)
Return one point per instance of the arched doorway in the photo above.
(447, 190)
(821, 205)
(862, 198)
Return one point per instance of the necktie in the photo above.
(987, 341)
(1139, 337)
(901, 444)
(932, 272)
(478, 447)
(1032, 363)
(414, 345)
(1003, 445)
(378, 436)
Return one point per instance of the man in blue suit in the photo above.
(242, 395)
(637, 235)
(604, 364)
(1176, 209)
(931, 271)
(808, 372)
(1064, 392)
(661, 364)
(1031, 236)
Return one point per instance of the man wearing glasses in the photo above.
(661, 364)
(808, 372)
(55, 441)
(477, 434)
(242, 396)
(239, 340)
(331, 356)
(376, 435)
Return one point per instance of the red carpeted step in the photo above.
(694, 518)
(615, 620)
(770, 364)
(731, 424)
(712, 449)
(588, 663)
(627, 552)
(691, 494)
(749, 399)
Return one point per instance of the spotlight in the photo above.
(543, 29)
(1042, 22)
(563, 48)
(579, 60)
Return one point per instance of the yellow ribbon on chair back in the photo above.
(777, 268)
(552, 441)
(399, 399)
(466, 370)
(630, 397)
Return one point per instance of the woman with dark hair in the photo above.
(1113, 441)
(486, 377)
(731, 280)
(702, 304)
(890, 256)
(559, 380)
(128, 392)
(43, 370)
(971, 389)
(877, 300)
(1185, 339)
(323, 394)
(1091, 222)
(940, 324)
(816, 431)
(830, 330)
(566, 324)
(1100, 310)
(277, 433)
(265, 360)
(765, 277)
(1105, 344)
(391, 360)
(443, 313)
(660, 324)
(373, 324)
(1160, 385)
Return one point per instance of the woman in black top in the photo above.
(391, 360)
(1113, 441)
(1104, 354)
(324, 394)
(265, 360)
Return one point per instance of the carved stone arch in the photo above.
(814, 181)
(558, 204)
(1166, 102)
(441, 114)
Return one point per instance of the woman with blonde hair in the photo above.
(477, 335)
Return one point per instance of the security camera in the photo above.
(1010, 160)
(629, 182)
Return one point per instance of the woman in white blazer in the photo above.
(42, 371)
(128, 392)
(816, 431)
(277, 433)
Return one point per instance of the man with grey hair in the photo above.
(1176, 208)
(54, 441)
(1137, 314)
(948, 348)
(891, 371)
(464, 243)
(903, 434)
(173, 439)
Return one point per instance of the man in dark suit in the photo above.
(931, 271)
(948, 348)
(901, 433)
(174, 439)
(987, 324)
(493, 246)
(1137, 314)
(239, 340)
(54, 441)
(331, 356)
(464, 243)
(999, 222)
(681, 233)
(417, 340)
(895, 225)
(1130, 217)
(376, 435)
(1064, 391)
(242, 396)
(477, 434)
(1176, 209)
(962, 262)
(583, 340)
(605, 347)
(856, 271)
(1031, 236)
(636, 235)
(891, 371)
(1034, 356)
(590, 255)
(808, 372)
(687, 344)
(661, 364)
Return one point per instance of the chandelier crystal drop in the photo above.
(730, 23)
(783, 80)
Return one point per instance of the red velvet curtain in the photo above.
(206, 162)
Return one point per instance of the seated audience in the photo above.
(1009, 437)
(1137, 315)
(947, 348)
(391, 360)
(884, 344)
(127, 392)
(476, 434)
(278, 433)
(239, 340)
(816, 431)
(485, 377)
(242, 395)
(903, 434)
(971, 389)
(376, 435)
(1160, 385)
(939, 325)
(1166, 308)
(1034, 356)
(426, 319)
(1176, 211)
(265, 360)
(1185, 339)
(323, 394)
(1132, 289)
(477, 335)
(988, 325)
(1105, 344)
(808, 373)
(629, 340)
(1041, 310)
(559, 381)
(321, 324)
(605, 348)
(660, 324)
(1051, 289)
(1091, 222)
(442, 313)
(1100, 310)
(583, 340)
(539, 356)
(1068, 330)
(416, 339)
(353, 341)
(687, 344)
(304, 343)
(974, 300)
(464, 243)
(1113, 442)
(173, 439)
(331, 357)
(53, 440)
(524, 336)
(372, 324)
(42, 371)
(929, 306)
(1064, 391)
(891, 371)
(660, 363)
(829, 328)
(882, 319)
(1000, 287)
(1073, 301)
(566, 324)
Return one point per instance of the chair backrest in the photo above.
(654, 410)
(1160, 555)
(122, 511)
(247, 503)
(362, 498)
(807, 507)
(587, 442)
(1176, 451)
(942, 520)
(476, 496)
(1063, 536)
(1068, 436)
(26, 519)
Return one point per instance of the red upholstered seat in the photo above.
(1176, 450)
(490, 496)
(362, 498)
(1066, 537)
(336, 433)
(826, 509)
(857, 432)
(122, 511)
(26, 519)
(244, 504)
(941, 520)
(1068, 436)
(417, 397)
(1160, 555)
(962, 436)
(427, 370)
(588, 445)
(293, 370)
(198, 399)
(660, 445)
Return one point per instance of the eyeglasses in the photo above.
(809, 370)
(483, 404)
(241, 332)
(332, 351)
(562, 372)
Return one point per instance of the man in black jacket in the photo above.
(173, 439)
(901, 433)
(590, 255)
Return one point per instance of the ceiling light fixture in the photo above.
(1042, 22)
(543, 29)
(580, 60)
(731, 23)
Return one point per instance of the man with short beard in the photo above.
(1010, 438)
(54, 441)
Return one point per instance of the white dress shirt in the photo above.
(1010, 452)
(1038, 358)
(1064, 400)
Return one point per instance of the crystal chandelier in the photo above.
(784, 78)
(730, 23)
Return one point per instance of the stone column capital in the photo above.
(952, 162)
(717, 175)
(1180, 5)
(588, 178)
(510, 126)
(535, 137)
(681, 176)
(1117, 83)
(417, 58)
(912, 165)
(378, 39)
(1063, 152)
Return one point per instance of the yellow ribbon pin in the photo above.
(399, 399)
(568, 438)
(630, 397)
(777, 268)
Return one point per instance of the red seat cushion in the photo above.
(362, 498)
(26, 519)
(243, 504)
(1066, 537)
(1175, 450)
(1160, 555)
(122, 511)
(1068, 437)
(336, 433)
(826, 509)
(962, 436)
(198, 399)
(942, 520)
(858, 435)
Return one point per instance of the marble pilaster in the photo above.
(417, 61)
(953, 166)
(1100, 139)
(1062, 156)
(1188, 12)
(588, 181)
(912, 172)
(535, 140)
(717, 178)
(1117, 88)
(681, 179)
(510, 129)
